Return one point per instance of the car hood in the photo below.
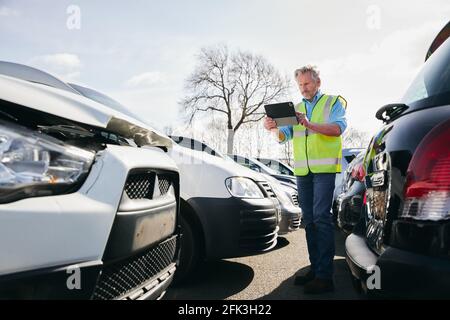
(284, 176)
(80, 109)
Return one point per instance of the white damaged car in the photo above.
(85, 212)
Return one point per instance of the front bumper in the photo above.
(133, 278)
(236, 227)
(40, 238)
(403, 274)
(290, 219)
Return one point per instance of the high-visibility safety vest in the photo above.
(315, 152)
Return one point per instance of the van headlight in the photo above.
(33, 164)
(241, 187)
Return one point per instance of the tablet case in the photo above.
(283, 113)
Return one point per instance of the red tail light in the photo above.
(427, 188)
(358, 172)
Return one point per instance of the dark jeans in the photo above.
(315, 193)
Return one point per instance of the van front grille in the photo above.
(268, 189)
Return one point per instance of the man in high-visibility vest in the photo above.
(317, 158)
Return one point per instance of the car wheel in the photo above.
(189, 251)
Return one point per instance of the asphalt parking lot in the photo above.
(265, 276)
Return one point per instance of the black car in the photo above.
(350, 200)
(348, 154)
(404, 233)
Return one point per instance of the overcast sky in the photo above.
(141, 52)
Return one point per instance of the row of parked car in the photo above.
(285, 192)
(395, 197)
(97, 204)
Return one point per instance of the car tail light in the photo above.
(427, 188)
(358, 172)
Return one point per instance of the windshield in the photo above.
(193, 144)
(252, 164)
(263, 167)
(277, 166)
(431, 87)
(285, 169)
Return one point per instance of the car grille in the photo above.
(268, 189)
(295, 224)
(141, 185)
(122, 278)
(294, 197)
(164, 184)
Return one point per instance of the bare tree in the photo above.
(234, 85)
(214, 136)
(288, 152)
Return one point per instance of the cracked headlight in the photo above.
(33, 164)
(241, 187)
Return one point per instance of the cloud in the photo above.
(60, 60)
(380, 75)
(8, 12)
(65, 65)
(401, 52)
(147, 79)
(157, 106)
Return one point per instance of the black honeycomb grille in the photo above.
(141, 185)
(164, 184)
(120, 278)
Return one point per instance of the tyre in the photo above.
(189, 251)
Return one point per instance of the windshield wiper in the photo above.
(391, 111)
(66, 130)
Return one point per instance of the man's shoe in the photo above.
(318, 286)
(301, 280)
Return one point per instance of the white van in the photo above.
(226, 210)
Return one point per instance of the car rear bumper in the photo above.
(403, 274)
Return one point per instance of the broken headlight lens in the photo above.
(33, 164)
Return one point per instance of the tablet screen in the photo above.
(283, 113)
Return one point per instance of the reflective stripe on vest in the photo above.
(313, 151)
(317, 162)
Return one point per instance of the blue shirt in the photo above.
(337, 116)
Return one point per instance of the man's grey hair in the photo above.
(308, 68)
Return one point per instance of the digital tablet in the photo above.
(283, 113)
